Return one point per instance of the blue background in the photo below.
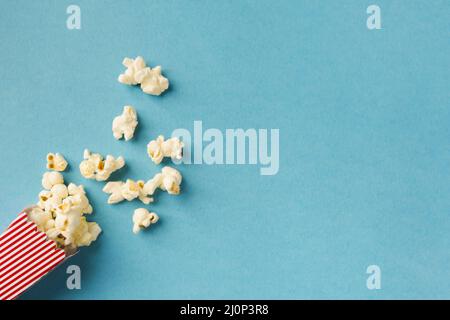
(364, 143)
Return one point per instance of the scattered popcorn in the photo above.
(56, 162)
(94, 167)
(151, 80)
(168, 180)
(142, 218)
(125, 124)
(59, 213)
(158, 149)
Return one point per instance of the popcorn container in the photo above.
(26, 255)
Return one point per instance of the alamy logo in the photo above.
(74, 280)
(74, 19)
(374, 20)
(234, 146)
(374, 280)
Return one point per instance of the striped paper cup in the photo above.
(26, 255)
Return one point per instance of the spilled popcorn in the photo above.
(151, 80)
(60, 213)
(95, 167)
(142, 218)
(168, 180)
(125, 124)
(158, 149)
(56, 162)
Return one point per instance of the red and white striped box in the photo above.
(26, 255)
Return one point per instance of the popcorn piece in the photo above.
(151, 80)
(142, 218)
(151, 185)
(171, 180)
(94, 167)
(144, 193)
(43, 198)
(154, 150)
(128, 190)
(56, 162)
(115, 189)
(87, 169)
(51, 178)
(60, 213)
(60, 191)
(168, 180)
(158, 149)
(40, 218)
(125, 124)
(133, 67)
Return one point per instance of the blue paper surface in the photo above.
(363, 116)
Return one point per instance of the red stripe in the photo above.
(43, 270)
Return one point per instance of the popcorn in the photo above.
(133, 67)
(151, 80)
(142, 218)
(40, 218)
(56, 162)
(128, 190)
(158, 149)
(125, 124)
(60, 213)
(94, 167)
(114, 188)
(76, 199)
(60, 191)
(171, 180)
(168, 180)
(51, 178)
